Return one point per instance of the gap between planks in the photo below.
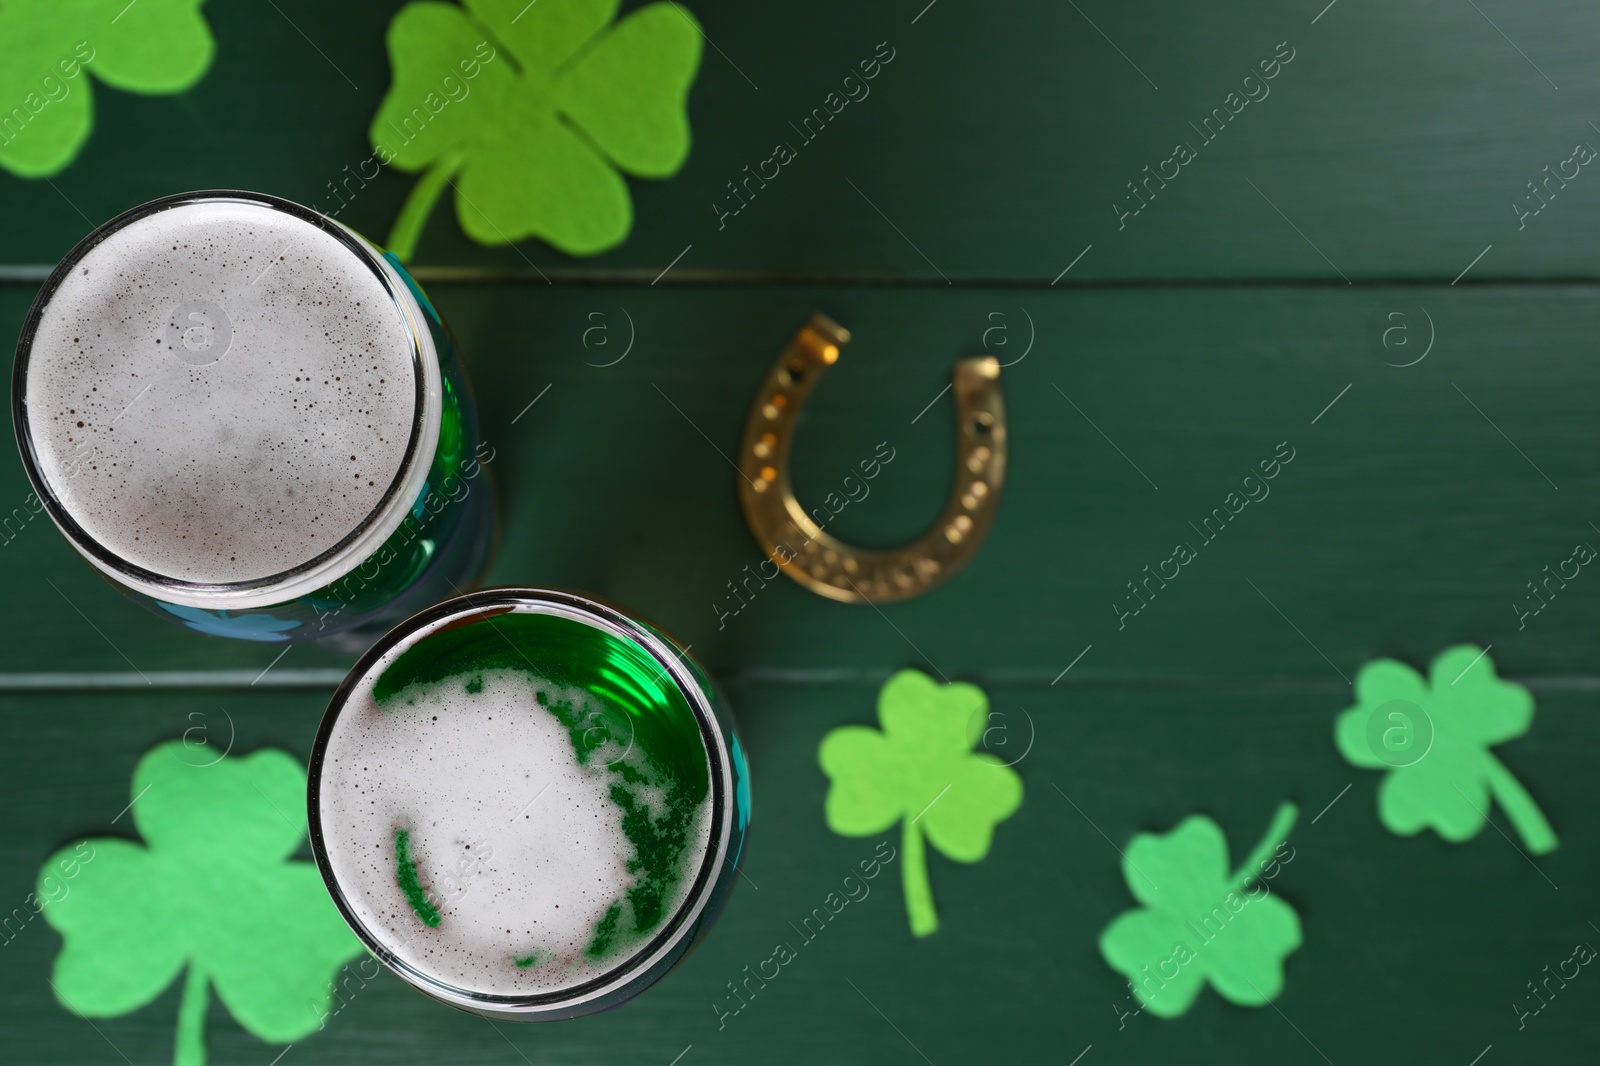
(329, 678)
(28, 275)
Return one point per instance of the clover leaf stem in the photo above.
(1277, 832)
(190, 1049)
(914, 875)
(420, 202)
(1524, 813)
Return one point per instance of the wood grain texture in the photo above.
(1414, 512)
(996, 141)
(1405, 522)
(1178, 354)
(1412, 947)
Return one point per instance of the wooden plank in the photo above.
(994, 144)
(1013, 974)
(1419, 505)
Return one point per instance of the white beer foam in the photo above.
(220, 392)
(518, 846)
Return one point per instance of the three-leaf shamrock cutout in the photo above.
(1434, 737)
(532, 112)
(211, 890)
(1200, 922)
(46, 101)
(920, 770)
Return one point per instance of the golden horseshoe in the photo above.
(798, 544)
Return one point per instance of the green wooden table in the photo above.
(977, 200)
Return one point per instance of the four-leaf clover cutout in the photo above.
(920, 770)
(1199, 921)
(1434, 737)
(46, 101)
(532, 112)
(212, 891)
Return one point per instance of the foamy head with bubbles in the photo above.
(518, 803)
(226, 400)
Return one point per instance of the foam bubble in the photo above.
(512, 819)
(220, 392)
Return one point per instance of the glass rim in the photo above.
(652, 960)
(350, 550)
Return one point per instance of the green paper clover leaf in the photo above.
(47, 107)
(538, 107)
(1200, 923)
(1434, 738)
(212, 888)
(920, 768)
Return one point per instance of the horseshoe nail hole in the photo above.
(769, 411)
(970, 502)
(952, 534)
(982, 422)
(759, 484)
(927, 567)
(762, 450)
(980, 489)
(796, 370)
(768, 474)
(780, 401)
(963, 523)
(851, 566)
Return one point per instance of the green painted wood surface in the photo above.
(1406, 521)
(1176, 355)
(1413, 947)
(997, 140)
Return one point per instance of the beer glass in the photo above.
(252, 420)
(528, 804)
